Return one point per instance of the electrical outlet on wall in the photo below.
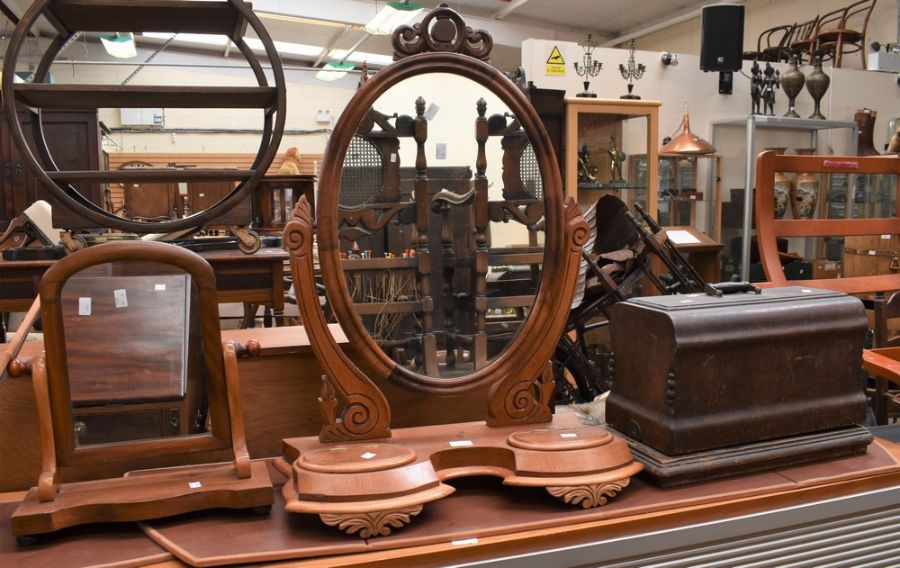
(323, 116)
(440, 151)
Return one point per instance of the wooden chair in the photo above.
(844, 28)
(803, 40)
(883, 396)
(768, 228)
(772, 44)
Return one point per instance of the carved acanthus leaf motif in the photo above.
(577, 230)
(367, 525)
(441, 30)
(589, 496)
(525, 401)
(373, 218)
(298, 233)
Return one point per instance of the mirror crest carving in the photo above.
(442, 30)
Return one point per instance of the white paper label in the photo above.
(393, 157)
(431, 111)
(680, 237)
(201, 195)
(568, 435)
(460, 443)
(806, 291)
(84, 306)
(830, 266)
(195, 484)
(367, 456)
(121, 298)
(464, 541)
(872, 253)
(885, 237)
(159, 287)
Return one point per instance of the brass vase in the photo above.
(805, 191)
(783, 188)
(817, 84)
(792, 82)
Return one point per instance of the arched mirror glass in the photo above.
(133, 353)
(441, 224)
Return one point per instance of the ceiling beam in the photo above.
(359, 12)
(663, 24)
(508, 9)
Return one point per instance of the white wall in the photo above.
(760, 15)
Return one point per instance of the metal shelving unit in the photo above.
(756, 121)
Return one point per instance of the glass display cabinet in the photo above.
(601, 137)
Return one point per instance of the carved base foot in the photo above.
(367, 525)
(589, 496)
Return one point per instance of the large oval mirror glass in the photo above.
(441, 224)
(144, 381)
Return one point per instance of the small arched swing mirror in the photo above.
(440, 224)
(135, 378)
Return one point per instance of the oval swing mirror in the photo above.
(440, 216)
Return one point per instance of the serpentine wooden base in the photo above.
(667, 471)
(370, 488)
(144, 495)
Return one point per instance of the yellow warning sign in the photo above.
(555, 63)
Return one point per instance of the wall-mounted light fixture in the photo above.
(669, 59)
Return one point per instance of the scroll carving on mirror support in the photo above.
(526, 400)
(352, 406)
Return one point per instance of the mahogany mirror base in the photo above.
(370, 488)
(147, 494)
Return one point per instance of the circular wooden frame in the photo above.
(273, 127)
(529, 351)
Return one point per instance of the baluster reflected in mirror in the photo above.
(429, 271)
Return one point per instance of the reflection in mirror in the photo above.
(441, 224)
(132, 342)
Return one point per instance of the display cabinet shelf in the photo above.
(593, 122)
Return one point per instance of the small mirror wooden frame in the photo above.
(82, 484)
(372, 481)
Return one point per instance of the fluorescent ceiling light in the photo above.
(393, 14)
(282, 47)
(361, 57)
(119, 45)
(334, 70)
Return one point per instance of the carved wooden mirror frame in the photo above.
(371, 483)
(64, 462)
(520, 378)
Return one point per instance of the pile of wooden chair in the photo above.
(828, 35)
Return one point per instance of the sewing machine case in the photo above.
(709, 386)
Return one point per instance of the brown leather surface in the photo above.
(108, 545)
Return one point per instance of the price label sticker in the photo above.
(872, 253)
(568, 435)
(885, 237)
(367, 455)
(121, 298)
(464, 541)
(84, 306)
(460, 443)
(160, 287)
(195, 484)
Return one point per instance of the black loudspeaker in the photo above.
(722, 37)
